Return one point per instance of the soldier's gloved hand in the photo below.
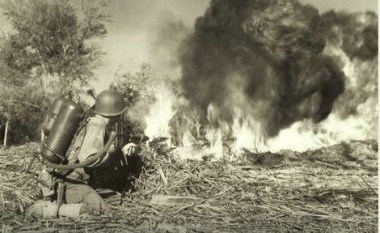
(129, 149)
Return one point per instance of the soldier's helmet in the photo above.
(109, 104)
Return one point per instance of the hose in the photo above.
(86, 162)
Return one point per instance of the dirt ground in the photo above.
(332, 189)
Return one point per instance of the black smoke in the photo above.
(357, 34)
(272, 52)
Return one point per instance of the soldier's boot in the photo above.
(48, 210)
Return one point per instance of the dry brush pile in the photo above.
(332, 189)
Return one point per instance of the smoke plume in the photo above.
(356, 36)
(268, 59)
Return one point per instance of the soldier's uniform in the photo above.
(89, 140)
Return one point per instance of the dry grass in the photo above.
(333, 189)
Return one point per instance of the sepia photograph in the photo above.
(188, 116)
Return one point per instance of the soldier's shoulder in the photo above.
(98, 120)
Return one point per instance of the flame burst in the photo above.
(271, 75)
(160, 112)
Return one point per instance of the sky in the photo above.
(128, 43)
(130, 34)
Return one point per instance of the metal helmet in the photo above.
(109, 104)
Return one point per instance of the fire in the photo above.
(335, 129)
(246, 133)
(259, 87)
(160, 113)
(214, 134)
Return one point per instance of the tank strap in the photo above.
(62, 158)
(86, 162)
(63, 178)
(82, 125)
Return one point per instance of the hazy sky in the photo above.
(130, 33)
(128, 43)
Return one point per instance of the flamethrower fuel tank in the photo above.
(62, 131)
(52, 115)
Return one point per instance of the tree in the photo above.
(50, 50)
(50, 38)
(21, 110)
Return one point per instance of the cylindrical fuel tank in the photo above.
(61, 134)
(52, 115)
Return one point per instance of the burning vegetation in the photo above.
(272, 75)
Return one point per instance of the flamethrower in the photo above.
(135, 138)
